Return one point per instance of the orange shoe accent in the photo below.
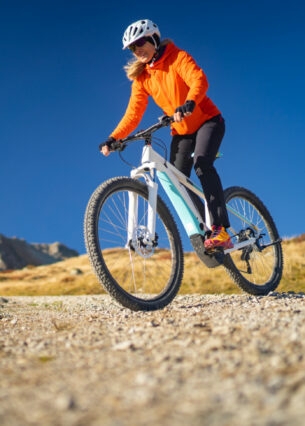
(219, 238)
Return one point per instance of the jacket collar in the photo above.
(163, 53)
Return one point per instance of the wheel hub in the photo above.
(142, 243)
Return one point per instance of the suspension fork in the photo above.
(148, 221)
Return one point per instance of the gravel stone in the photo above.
(203, 360)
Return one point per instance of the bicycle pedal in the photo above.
(214, 250)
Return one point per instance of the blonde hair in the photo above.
(134, 67)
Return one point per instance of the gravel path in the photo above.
(204, 360)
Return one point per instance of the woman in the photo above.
(178, 85)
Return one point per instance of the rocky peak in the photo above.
(17, 253)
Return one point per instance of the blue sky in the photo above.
(63, 90)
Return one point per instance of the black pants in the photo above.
(204, 144)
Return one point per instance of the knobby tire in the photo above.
(256, 270)
(135, 282)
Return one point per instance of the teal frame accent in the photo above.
(187, 217)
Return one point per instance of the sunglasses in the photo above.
(138, 43)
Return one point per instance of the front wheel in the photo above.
(138, 277)
(256, 268)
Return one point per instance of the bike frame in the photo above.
(174, 183)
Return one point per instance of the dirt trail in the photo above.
(204, 360)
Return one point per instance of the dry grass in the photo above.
(75, 277)
(61, 278)
(294, 265)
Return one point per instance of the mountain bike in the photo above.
(134, 244)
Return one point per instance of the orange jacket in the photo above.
(172, 80)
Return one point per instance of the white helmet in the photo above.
(139, 29)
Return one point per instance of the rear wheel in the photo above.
(256, 268)
(138, 276)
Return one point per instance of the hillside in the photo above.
(74, 276)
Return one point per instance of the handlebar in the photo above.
(120, 144)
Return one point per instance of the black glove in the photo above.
(187, 107)
(108, 143)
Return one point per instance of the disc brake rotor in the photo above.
(142, 242)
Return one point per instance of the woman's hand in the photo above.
(105, 147)
(105, 151)
(178, 117)
(184, 111)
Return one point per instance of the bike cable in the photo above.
(157, 141)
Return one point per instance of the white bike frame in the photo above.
(174, 183)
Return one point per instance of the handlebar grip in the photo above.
(166, 120)
(117, 146)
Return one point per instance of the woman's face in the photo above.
(144, 53)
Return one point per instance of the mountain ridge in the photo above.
(16, 253)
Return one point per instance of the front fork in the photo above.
(141, 236)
